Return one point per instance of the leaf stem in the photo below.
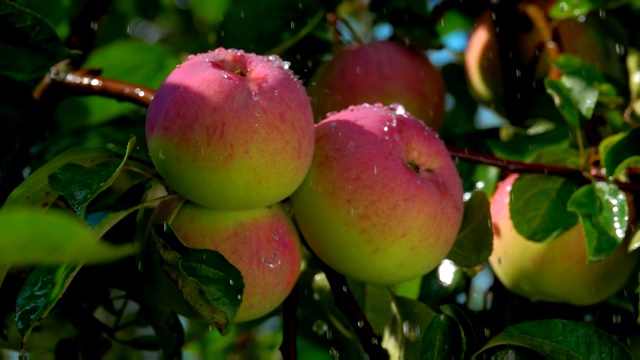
(284, 46)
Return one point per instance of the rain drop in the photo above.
(360, 323)
(320, 327)
(272, 261)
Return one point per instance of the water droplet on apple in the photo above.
(286, 65)
(276, 234)
(272, 261)
(191, 57)
(161, 155)
(255, 95)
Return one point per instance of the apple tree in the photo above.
(319, 179)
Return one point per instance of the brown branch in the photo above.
(515, 166)
(86, 82)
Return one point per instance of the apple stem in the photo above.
(288, 348)
(347, 304)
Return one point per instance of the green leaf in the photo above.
(35, 190)
(604, 216)
(403, 333)
(539, 206)
(206, 280)
(442, 339)
(79, 184)
(29, 237)
(618, 148)
(522, 144)
(575, 8)
(28, 44)
(632, 162)
(560, 339)
(563, 100)
(375, 302)
(475, 238)
(42, 290)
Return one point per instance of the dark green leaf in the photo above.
(578, 68)
(403, 333)
(475, 238)
(442, 339)
(539, 206)
(575, 8)
(560, 339)
(465, 325)
(521, 144)
(80, 184)
(35, 190)
(206, 280)
(29, 237)
(246, 27)
(563, 100)
(42, 290)
(604, 216)
(28, 44)
(619, 148)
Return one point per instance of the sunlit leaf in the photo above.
(604, 217)
(538, 206)
(560, 339)
(475, 238)
(29, 237)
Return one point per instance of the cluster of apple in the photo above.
(371, 188)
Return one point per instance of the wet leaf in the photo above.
(29, 237)
(206, 280)
(563, 100)
(539, 206)
(42, 290)
(403, 333)
(35, 190)
(560, 339)
(475, 238)
(521, 144)
(575, 8)
(28, 44)
(604, 217)
(80, 184)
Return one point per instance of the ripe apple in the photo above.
(385, 72)
(262, 243)
(586, 39)
(382, 202)
(556, 270)
(231, 130)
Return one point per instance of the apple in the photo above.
(262, 243)
(231, 130)
(382, 202)
(385, 72)
(556, 270)
(586, 39)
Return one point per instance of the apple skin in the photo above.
(231, 130)
(556, 270)
(385, 72)
(382, 202)
(262, 243)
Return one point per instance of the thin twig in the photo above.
(288, 347)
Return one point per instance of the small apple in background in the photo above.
(231, 130)
(382, 202)
(556, 270)
(262, 243)
(587, 39)
(385, 72)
